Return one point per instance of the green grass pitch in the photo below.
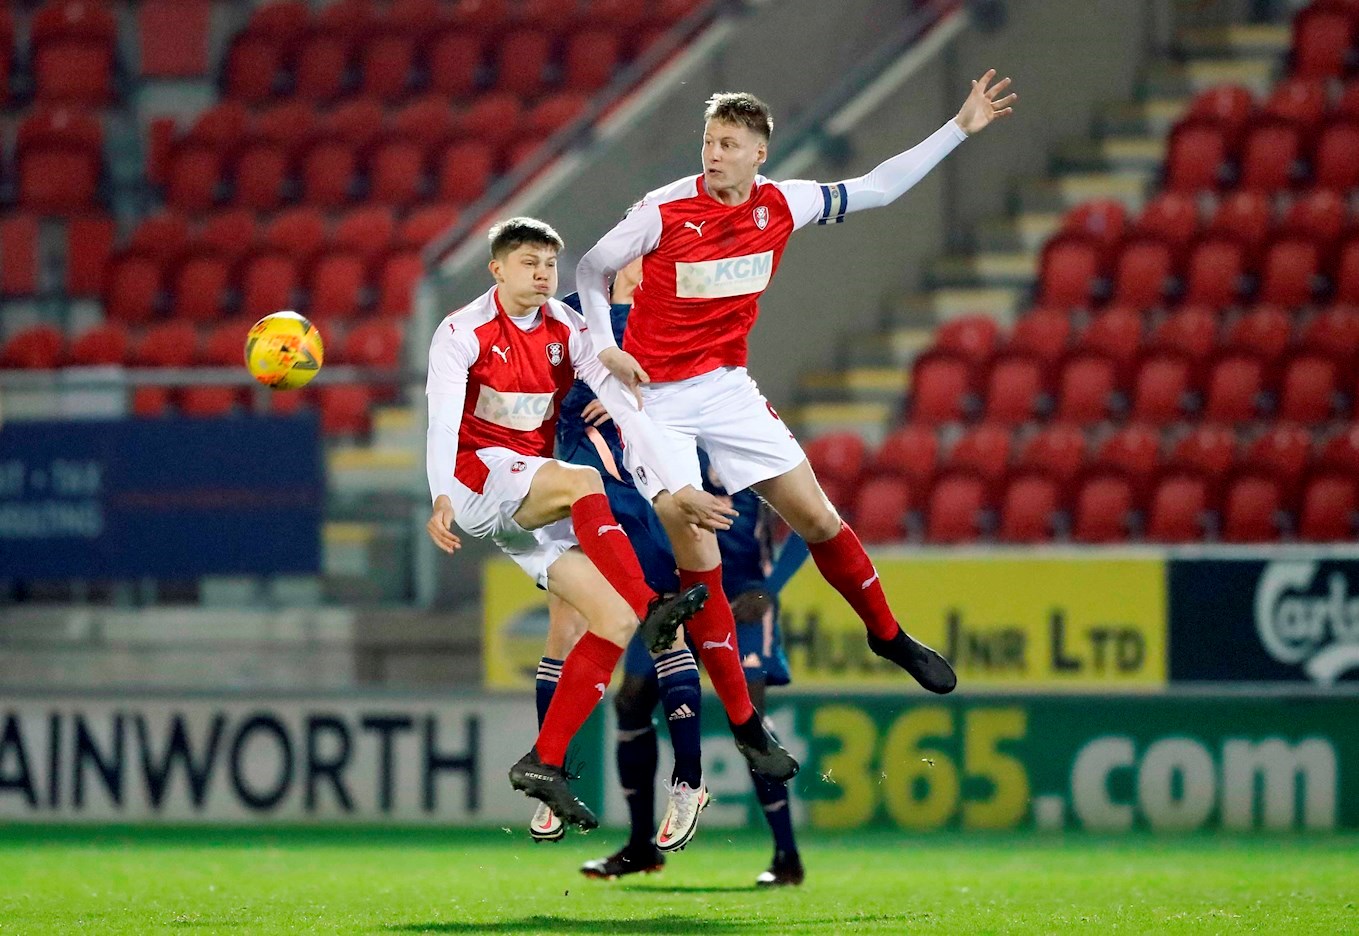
(259, 881)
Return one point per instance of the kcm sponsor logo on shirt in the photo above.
(722, 279)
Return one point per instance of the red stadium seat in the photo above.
(1171, 217)
(1321, 43)
(1042, 334)
(319, 71)
(1070, 267)
(261, 170)
(1268, 157)
(424, 224)
(286, 19)
(520, 151)
(1190, 331)
(1229, 106)
(267, 282)
(1160, 389)
(955, 506)
(454, 60)
(89, 243)
(983, 450)
(554, 112)
(1341, 452)
(590, 59)
(252, 66)
(521, 61)
(1317, 217)
(358, 121)
(1103, 505)
(1290, 268)
(366, 231)
(299, 232)
(1027, 509)
(1328, 509)
(880, 509)
(1175, 513)
(617, 13)
(345, 409)
(1085, 389)
(104, 344)
(464, 172)
(1214, 273)
(1197, 153)
(224, 345)
(1013, 388)
(496, 118)
(939, 388)
(1263, 331)
(58, 155)
(327, 173)
(1347, 273)
(395, 172)
(174, 37)
(427, 120)
(1347, 107)
(1333, 332)
(1250, 510)
(291, 124)
(73, 47)
(1283, 453)
(1208, 450)
(1234, 387)
(1116, 334)
(19, 233)
(132, 288)
(385, 64)
(201, 285)
(1243, 217)
(1102, 220)
(1300, 102)
(1135, 452)
(415, 16)
(232, 234)
(336, 285)
(36, 348)
(838, 456)
(352, 20)
(375, 343)
(208, 402)
(974, 337)
(1057, 451)
(911, 452)
(163, 236)
(396, 283)
(194, 176)
(1309, 387)
(167, 344)
(1334, 166)
(1143, 271)
(223, 125)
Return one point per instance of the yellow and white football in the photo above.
(283, 351)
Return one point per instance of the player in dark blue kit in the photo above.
(671, 679)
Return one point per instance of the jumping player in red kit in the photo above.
(709, 245)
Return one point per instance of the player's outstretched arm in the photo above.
(984, 105)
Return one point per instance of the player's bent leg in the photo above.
(841, 559)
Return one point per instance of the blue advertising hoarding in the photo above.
(175, 499)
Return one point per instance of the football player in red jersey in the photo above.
(709, 245)
(497, 369)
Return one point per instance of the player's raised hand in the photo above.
(595, 414)
(984, 104)
(440, 526)
(625, 367)
(705, 511)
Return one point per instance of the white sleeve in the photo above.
(635, 235)
(828, 204)
(633, 423)
(451, 354)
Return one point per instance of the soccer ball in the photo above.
(283, 351)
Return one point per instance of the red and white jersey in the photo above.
(495, 382)
(705, 263)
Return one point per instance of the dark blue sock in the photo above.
(681, 694)
(549, 671)
(773, 797)
(637, 757)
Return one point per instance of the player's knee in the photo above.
(584, 481)
(817, 521)
(633, 703)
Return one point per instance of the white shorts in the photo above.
(724, 413)
(490, 514)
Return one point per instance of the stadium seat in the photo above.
(1027, 509)
(1282, 452)
(589, 60)
(1070, 267)
(1042, 334)
(252, 66)
(336, 285)
(617, 13)
(327, 173)
(1057, 451)
(1103, 507)
(194, 176)
(150, 402)
(1300, 102)
(385, 64)
(1263, 331)
(910, 451)
(1333, 164)
(58, 178)
(1269, 157)
(521, 60)
(396, 171)
(1170, 217)
(73, 45)
(496, 118)
(1085, 388)
(366, 231)
(89, 243)
(132, 288)
(320, 66)
(1013, 388)
(345, 409)
(1317, 217)
(1207, 449)
(955, 506)
(396, 283)
(375, 343)
(974, 337)
(224, 343)
(1144, 270)
(1250, 510)
(232, 233)
(267, 281)
(351, 20)
(838, 456)
(1234, 387)
(208, 402)
(167, 344)
(880, 509)
(290, 124)
(1341, 451)
(1190, 331)
(163, 236)
(1243, 217)
(223, 125)
(1322, 40)
(1333, 332)
(428, 120)
(1308, 389)
(1133, 451)
(1101, 220)
(1289, 273)
(464, 171)
(554, 112)
(939, 388)
(40, 347)
(174, 37)
(200, 287)
(1197, 154)
(1346, 107)
(1347, 273)
(104, 344)
(1116, 333)
(357, 121)
(424, 224)
(1214, 273)
(19, 233)
(1328, 509)
(1177, 508)
(298, 232)
(287, 19)
(1229, 106)
(984, 450)
(454, 62)
(1159, 393)
(261, 170)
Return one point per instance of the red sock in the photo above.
(845, 565)
(585, 676)
(602, 538)
(714, 632)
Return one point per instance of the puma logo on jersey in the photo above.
(869, 581)
(606, 527)
(504, 353)
(697, 227)
(602, 689)
(714, 645)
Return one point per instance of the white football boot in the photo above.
(546, 826)
(681, 816)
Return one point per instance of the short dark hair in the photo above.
(511, 234)
(742, 109)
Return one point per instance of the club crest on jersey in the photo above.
(518, 467)
(554, 353)
(761, 217)
(641, 474)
